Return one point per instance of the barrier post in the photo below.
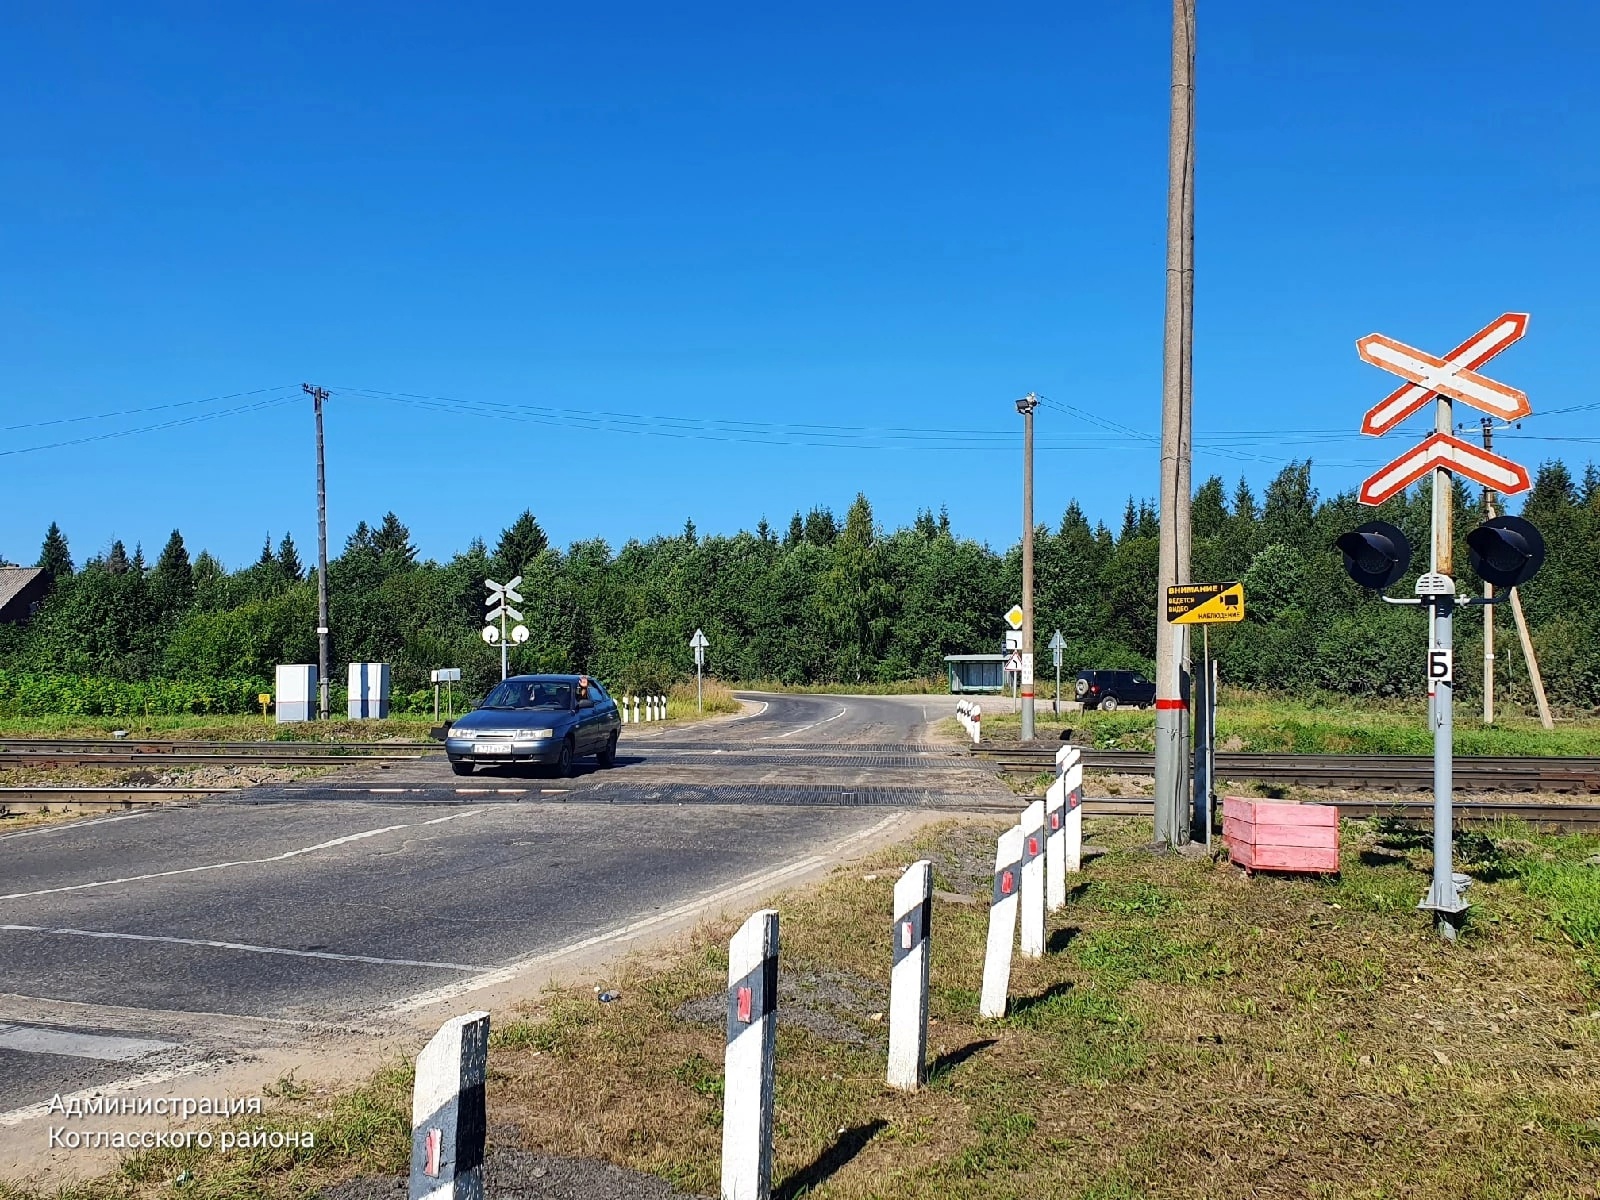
(749, 1061)
(448, 1121)
(1002, 923)
(1055, 866)
(1072, 839)
(908, 978)
(1033, 880)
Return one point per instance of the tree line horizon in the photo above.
(824, 601)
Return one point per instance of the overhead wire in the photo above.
(120, 433)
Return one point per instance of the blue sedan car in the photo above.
(550, 719)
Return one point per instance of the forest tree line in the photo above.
(820, 600)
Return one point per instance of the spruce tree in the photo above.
(392, 541)
(116, 562)
(797, 532)
(172, 582)
(267, 559)
(520, 543)
(289, 565)
(54, 556)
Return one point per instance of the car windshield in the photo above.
(525, 693)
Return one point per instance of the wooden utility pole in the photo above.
(1171, 807)
(318, 395)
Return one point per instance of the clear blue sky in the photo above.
(883, 218)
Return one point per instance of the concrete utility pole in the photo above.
(1025, 406)
(318, 395)
(1177, 402)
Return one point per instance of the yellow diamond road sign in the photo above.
(1014, 617)
(1205, 603)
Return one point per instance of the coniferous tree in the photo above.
(797, 532)
(116, 560)
(268, 558)
(289, 565)
(520, 543)
(392, 542)
(172, 582)
(54, 556)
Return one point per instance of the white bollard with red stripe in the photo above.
(908, 978)
(1033, 880)
(977, 724)
(1062, 848)
(1002, 923)
(749, 1062)
(1071, 781)
(448, 1119)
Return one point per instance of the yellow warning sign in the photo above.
(1205, 603)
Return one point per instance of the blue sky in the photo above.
(875, 224)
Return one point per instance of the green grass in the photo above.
(218, 728)
(1317, 725)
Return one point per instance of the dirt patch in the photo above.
(525, 1175)
(836, 1006)
(963, 861)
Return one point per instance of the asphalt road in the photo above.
(151, 943)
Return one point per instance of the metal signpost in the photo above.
(1205, 605)
(1057, 645)
(698, 644)
(501, 597)
(1444, 380)
(449, 676)
(1014, 653)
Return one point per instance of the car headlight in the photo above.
(532, 735)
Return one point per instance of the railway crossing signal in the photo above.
(1376, 554)
(501, 597)
(1507, 551)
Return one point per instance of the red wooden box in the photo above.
(1277, 835)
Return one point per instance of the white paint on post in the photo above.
(1055, 866)
(908, 978)
(448, 1120)
(977, 724)
(1033, 880)
(748, 1066)
(1002, 923)
(1072, 839)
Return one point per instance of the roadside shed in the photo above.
(976, 672)
(22, 591)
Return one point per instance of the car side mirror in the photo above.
(585, 703)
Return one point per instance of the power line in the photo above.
(128, 412)
(102, 437)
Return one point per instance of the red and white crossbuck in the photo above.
(1454, 376)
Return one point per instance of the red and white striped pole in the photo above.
(750, 1059)
(1002, 923)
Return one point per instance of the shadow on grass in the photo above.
(1025, 1004)
(945, 1064)
(1060, 939)
(848, 1144)
(1380, 858)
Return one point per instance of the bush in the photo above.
(26, 694)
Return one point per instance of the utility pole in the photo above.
(1171, 824)
(1487, 425)
(1025, 406)
(318, 395)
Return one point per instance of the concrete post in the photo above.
(749, 1062)
(1033, 880)
(908, 978)
(1002, 923)
(448, 1121)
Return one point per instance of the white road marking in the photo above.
(761, 879)
(70, 825)
(34, 1039)
(803, 728)
(241, 946)
(246, 862)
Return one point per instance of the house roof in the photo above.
(13, 580)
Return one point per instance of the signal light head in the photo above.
(1506, 551)
(1375, 554)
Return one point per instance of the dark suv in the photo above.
(1111, 690)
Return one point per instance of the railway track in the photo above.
(164, 755)
(1383, 772)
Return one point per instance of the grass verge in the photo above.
(1191, 1033)
(1251, 722)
